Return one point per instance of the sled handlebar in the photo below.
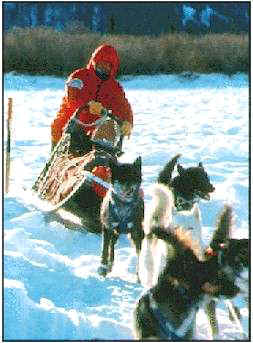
(104, 113)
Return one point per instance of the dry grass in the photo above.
(46, 51)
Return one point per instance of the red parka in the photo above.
(83, 85)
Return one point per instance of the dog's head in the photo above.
(229, 257)
(217, 281)
(231, 254)
(211, 276)
(235, 254)
(126, 178)
(192, 183)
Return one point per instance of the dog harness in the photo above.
(166, 330)
(121, 212)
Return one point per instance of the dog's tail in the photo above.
(160, 213)
(165, 175)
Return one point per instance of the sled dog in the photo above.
(167, 311)
(188, 187)
(122, 211)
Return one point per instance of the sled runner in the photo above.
(77, 174)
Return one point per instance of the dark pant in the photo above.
(79, 142)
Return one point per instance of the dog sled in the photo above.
(77, 174)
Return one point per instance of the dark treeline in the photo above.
(132, 18)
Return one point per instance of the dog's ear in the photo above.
(165, 175)
(223, 229)
(180, 169)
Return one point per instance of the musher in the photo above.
(96, 87)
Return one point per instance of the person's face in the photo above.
(103, 69)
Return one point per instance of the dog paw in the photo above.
(236, 313)
(103, 270)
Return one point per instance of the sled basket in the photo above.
(66, 172)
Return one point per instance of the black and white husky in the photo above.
(167, 311)
(122, 211)
(183, 193)
(190, 186)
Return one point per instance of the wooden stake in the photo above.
(8, 146)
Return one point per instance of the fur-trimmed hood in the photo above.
(105, 53)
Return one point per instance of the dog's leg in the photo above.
(106, 237)
(137, 235)
(210, 310)
(113, 239)
(234, 312)
(146, 262)
(235, 316)
(144, 327)
(197, 230)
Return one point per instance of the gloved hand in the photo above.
(126, 128)
(95, 107)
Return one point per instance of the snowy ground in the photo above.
(51, 288)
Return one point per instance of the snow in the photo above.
(51, 287)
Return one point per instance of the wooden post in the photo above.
(8, 146)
